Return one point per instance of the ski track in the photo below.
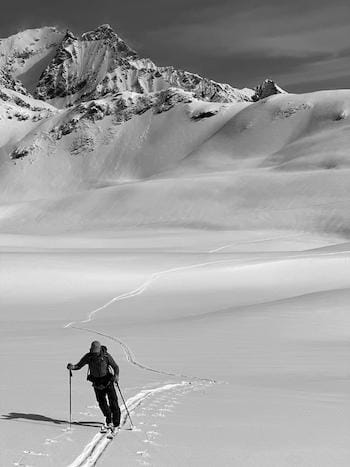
(95, 448)
(249, 242)
(93, 451)
(132, 359)
(157, 275)
(145, 285)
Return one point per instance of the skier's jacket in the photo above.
(100, 366)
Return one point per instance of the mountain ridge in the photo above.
(116, 141)
(99, 62)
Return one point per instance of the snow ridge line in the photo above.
(95, 448)
(249, 242)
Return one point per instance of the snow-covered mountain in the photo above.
(25, 55)
(66, 69)
(83, 117)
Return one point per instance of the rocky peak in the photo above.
(100, 33)
(6, 81)
(69, 37)
(101, 63)
(106, 34)
(267, 88)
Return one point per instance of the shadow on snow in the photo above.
(43, 418)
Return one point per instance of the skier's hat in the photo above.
(95, 347)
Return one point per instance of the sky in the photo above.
(304, 45)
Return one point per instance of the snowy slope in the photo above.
(26, 54)
(271, 328)
(286, 130)
(155, 145)
(199, 231)
(19, 115)
(93, 146)
(251, 165)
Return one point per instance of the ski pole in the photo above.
(126, 407)
(70, 399)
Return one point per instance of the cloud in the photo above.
(318, 72)
(273, 29)
(235, 41)
(244, 43)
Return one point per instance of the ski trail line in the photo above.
(249, 242)
(145, 285)
(130, 357)
(95, 448)
(157, 275)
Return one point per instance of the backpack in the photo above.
(99, 360)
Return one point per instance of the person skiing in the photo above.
(100, 364)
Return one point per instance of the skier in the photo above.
(100, 362)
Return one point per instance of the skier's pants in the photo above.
(111, 411)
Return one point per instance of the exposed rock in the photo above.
(16, 104)
(267, 88)
(8, 82)
(201, 115)
(101, 63)
(26, 54)
(106, 34)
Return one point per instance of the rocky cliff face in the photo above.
(6, 81)
(266, 89)
(101, 63)
(64, 70)
(57, 89)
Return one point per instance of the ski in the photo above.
(112, 432)
(104, 429)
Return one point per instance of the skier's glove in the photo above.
(116, 379)
(70, 366)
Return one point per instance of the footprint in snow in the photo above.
(152, 434)
(32, 453)
(50, 441)
(143, 453)
(149, 441)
